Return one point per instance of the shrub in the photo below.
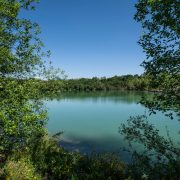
(21, 169)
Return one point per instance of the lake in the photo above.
(90, 121)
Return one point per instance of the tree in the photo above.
(21, 114)
(160, 41)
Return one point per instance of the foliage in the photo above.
(126, 82)
(20, 46)
(19, 169)
(55, 163)
(52, 160)
(21, 118)
(101, 166)
(160, 157)
(46, 159)
(160, 41)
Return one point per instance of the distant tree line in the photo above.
(125, 82)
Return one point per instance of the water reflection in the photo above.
(106, 144)
(128, 97)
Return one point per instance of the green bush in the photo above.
(56, 163)
(21, 169)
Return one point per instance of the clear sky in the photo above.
(90, 38)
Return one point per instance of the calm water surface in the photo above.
(90, 121)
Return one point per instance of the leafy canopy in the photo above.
(21, 114)
(160, 41)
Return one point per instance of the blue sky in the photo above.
(90, 38)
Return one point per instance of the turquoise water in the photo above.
(90, 121)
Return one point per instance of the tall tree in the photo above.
(160, 41)
(21, 114)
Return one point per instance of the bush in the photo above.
(47, 160)
(56, 163)
(21, 169)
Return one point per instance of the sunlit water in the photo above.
(90, 121)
